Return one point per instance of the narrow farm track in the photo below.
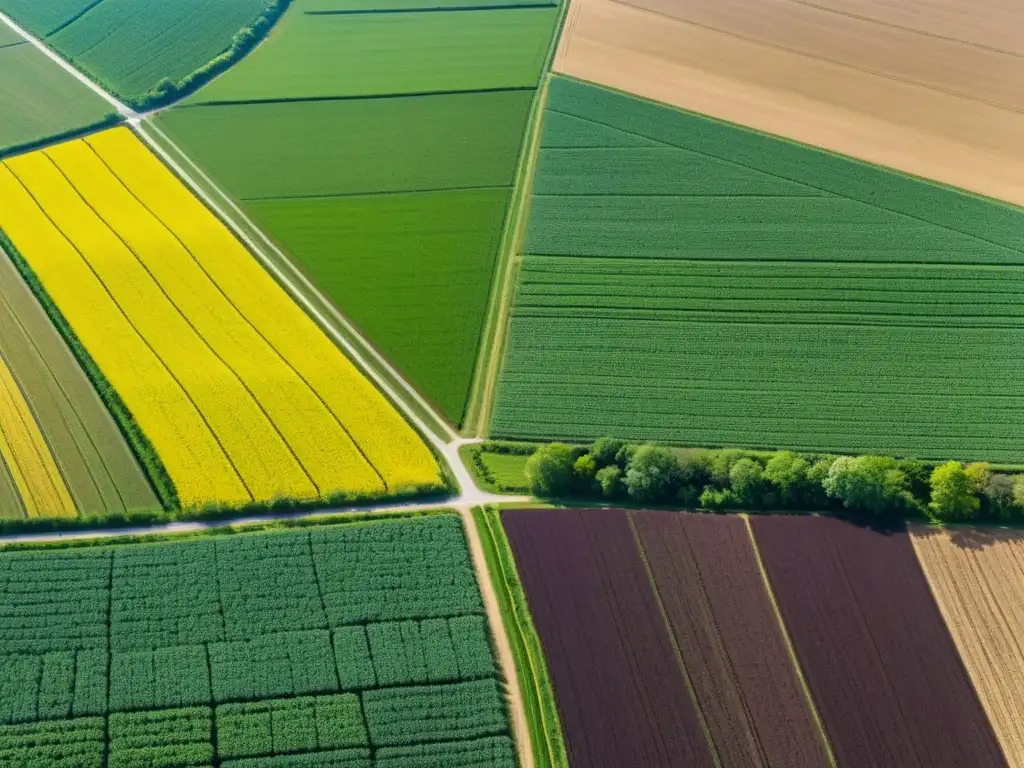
(507, 662)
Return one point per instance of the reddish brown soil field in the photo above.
(707, 574)
(881, 665)
(621, 694)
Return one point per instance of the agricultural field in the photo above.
(130, 49)
(39, 100)
(878, 658)
(244, 400)
(400, 229)
(691, 586)
(690, 281)
(783, 640)
(931, 88)
(63, 454)
(975, 575)
(355, 645)
(335, 55)
(621, 694)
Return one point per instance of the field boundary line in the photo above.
(123, 109)
(677, 651)
(505, 657)
(351, 336)
(794, 660)
(491, 347)
(539, 675)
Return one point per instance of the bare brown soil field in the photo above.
(706, 572)
(884, 672)
(977, 578)
(620, 692)
(870, 82)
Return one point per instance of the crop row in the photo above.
(460, 718)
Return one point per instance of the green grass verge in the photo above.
(531, 667)
(151, 463)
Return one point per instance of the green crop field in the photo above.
(460, 140)
(690, 281)
(100, 471)
(392, 201)
(9, 37)
(130, 48)
(42, 18)
(412, 270)
(364, 6)
(39, 100)
(338, 645)
(316, 56)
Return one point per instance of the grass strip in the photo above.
(108, 121)
(531, 668)
(148, 458)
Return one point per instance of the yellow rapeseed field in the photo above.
(975, 576)
(28, 457)
(241, 394)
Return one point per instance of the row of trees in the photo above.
(876, 486)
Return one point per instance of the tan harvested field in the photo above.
(853, 77)
(978, 580)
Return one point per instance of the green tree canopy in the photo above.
(549, 471)
(953, 493)
(872, 484)
(653, 474)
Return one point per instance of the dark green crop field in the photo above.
(690, 281)
(327, 646)
(129, 47)
(412, 270)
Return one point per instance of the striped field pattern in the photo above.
(242, 396)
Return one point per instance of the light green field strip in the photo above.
(10, 502)
(9, 37)
(98, 467)
(39, 100)
(312, 56)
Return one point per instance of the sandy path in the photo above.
(936, 108)
(520, 729)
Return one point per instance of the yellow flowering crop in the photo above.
(241, 394)
(28, 457)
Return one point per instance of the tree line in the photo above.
(879, 487)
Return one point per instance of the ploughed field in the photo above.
(674, 638)
(691, 281)
(240, 398)
(354, 645)
(398, 226)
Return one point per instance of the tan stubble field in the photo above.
(977, 577)
(848, 77)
